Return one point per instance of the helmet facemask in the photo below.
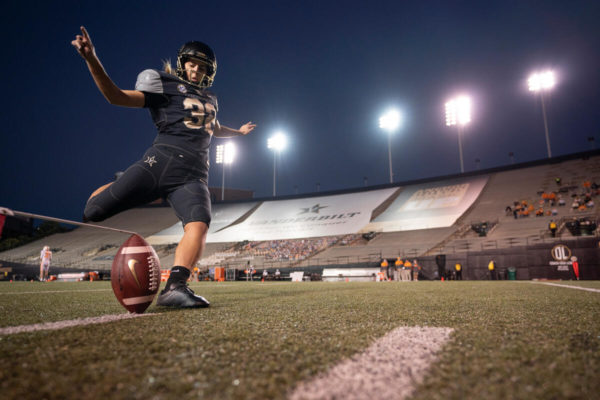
(200, 52)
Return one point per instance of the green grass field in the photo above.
(257, 341)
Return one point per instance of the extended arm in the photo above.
(222, 131)
(112, 93)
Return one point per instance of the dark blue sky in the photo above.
(323, 71)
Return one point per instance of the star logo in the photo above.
(150, 161)
(314, 209)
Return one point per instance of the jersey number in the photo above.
(202, 114)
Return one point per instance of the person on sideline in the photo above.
(384, 268)
(492, 269)
(398, 264)
(175, 167)
(458, 268)
(552, 226)
(416, 270)
(45, 258)
(405, 273)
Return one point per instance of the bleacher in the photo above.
(88, 248)
(526, 184)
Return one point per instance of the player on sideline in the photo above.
(176, 166)
(45, 258)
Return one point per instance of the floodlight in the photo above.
(541, 81)
(277, 142)
(225, 153)
(458, 111)
(390, 121)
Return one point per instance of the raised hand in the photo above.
(247, 128)
(84, 45)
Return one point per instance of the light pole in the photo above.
(458, 112)
(540, 82)
(277, 143)
(225, 155)
(390, 122)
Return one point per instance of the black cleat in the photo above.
(181, 296)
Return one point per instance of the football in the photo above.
(135, 274)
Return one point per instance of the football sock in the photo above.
(178, 275)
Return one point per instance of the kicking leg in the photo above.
(137, 186)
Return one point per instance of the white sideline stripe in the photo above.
(568, 286)
(388, 369)
(51, 326)
(138, 300)
(136, 249)
(59, 291)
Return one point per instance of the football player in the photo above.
(45, 258)
(176, 166)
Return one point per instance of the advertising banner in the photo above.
(306, 217)
(429, 205)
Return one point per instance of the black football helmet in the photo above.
(202, 52)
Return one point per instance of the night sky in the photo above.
(323, 71)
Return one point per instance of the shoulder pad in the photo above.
(149, 81)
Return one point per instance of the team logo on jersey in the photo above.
(150, 161)
(181, 88)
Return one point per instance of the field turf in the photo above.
(517, 340)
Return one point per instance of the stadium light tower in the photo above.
(225, 155)
(458, 113)
(390, 122)
(277, 143)
(540, 82)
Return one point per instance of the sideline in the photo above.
(567, 286)
(390, 368)
(51, 326)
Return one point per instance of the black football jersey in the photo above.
(184, 115)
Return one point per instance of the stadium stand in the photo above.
(450, 215)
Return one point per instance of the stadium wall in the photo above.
(542, 261)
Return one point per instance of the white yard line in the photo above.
(567, 286)
(51, 326)
(390, 368)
